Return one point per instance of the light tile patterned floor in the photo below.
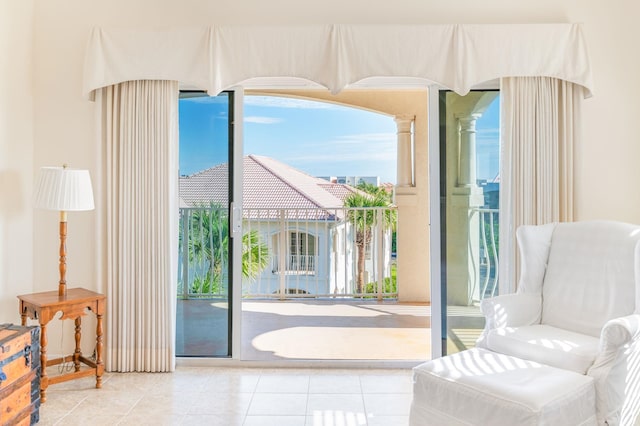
(235, 397)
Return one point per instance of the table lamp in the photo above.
(63, 189)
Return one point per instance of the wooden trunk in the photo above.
(19, 375)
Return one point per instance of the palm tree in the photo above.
(255, 255)
(208, 243)
(362, 216)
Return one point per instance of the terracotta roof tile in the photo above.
(268, 184)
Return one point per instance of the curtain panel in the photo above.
(139, 181)
(454, 56)
(540, 128)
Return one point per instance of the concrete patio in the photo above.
(325, 329)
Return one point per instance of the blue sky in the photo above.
(319, 138)
(488, 142)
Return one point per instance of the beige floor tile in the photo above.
(89, 419)
(387, 404)
(382, 383)
(151, 419)
(334, 384)
(237, 397)
(218, 403)
(278, 383)
(339, 405)
(175, 404)
(232, 384)
(275, 421)
(388, 421)
(283, 404)
(336, 418)
(109, 403)
(212, 420)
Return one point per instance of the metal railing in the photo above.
(296, 264)
(341, 252)
(486, 269)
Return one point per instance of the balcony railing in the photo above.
(342, 252)
(486, 269)
(296, 264)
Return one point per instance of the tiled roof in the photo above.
(268, 184)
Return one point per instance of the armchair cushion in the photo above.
(590, 275)
(545, 344)
(512, 310)
(535, 241)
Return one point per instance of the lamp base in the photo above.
(62, 286)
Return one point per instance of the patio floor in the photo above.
(335, 330)
(311, 329)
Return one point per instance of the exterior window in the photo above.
(300, 255)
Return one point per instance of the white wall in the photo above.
(16, 155)
(63, 127)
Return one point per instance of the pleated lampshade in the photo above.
(63, 189)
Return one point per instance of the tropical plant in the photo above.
(363, 216)
(389, 284)
(208, 244)
(255, 255)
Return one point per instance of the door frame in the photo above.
(235, 209)
(433, 112)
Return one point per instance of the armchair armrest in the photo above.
(618, 332)
(512, 310)
(615, 368)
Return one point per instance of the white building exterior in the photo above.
(302, 220)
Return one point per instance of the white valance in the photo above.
(336, 56)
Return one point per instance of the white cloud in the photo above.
(262, 120)
(371, 147)
(488, 133)
(282, 102)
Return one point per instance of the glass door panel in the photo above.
(469, 215)
(204, 307)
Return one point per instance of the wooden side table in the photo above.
(42, 307)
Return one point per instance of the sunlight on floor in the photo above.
(288, 308)
(346, 343)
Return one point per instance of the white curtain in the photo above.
(540, 127)
(139, 223)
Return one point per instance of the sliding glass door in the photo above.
(469, 187)
(207, 196)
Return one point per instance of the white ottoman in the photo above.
(480, 387)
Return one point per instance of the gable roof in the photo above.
(268, 184)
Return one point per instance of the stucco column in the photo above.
(463, 230)
(467, 152)
(405, 150)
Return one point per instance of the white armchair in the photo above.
(577, 308)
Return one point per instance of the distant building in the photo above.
(491, 192)
(353, 180)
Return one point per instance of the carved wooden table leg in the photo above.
(99, 364)
(78, 352)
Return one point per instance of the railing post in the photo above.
(186, 237)
(380, 251)
(282, 253)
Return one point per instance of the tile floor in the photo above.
(235, 397)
